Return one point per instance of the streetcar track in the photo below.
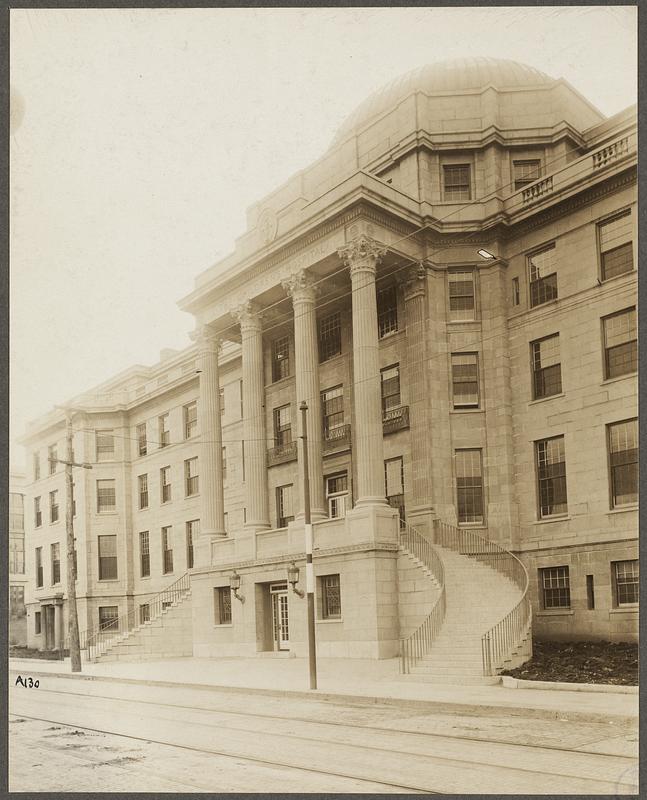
(376, 728)
(447, 759)
(253, 759)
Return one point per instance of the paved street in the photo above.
(87, 735)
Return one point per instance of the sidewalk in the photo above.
(351, 679)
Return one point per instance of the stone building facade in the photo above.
(451, 289)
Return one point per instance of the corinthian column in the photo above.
(212, 503)
(361, 256)
(258, 517)
(300, 287)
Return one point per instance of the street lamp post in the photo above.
(310, 578)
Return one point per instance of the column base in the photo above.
(376, 522)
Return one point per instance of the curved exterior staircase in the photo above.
(481, 621)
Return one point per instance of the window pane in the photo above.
(456, 182)
(469, 486)
(106, 495)
(620, 342)
(525, 172)
(280, 358)
(330, 596)
(623, 458)
(551, 472)
(387, 311)
(390, 383)
(543, 276)
(465, 379)
(329, 336)
(461, 294)
(627, 580)
(547, 371)
(555, 583)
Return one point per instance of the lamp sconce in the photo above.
(234, 585)
(293, 579)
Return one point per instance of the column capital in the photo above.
(248, 315)
(207, 339)
(300, 286)
(415, 281)
(362, 254)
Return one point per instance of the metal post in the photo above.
(310, 578)
(73, 620)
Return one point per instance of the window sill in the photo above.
(545, 399)
(555, 612)
(331, 359)
(547, 304)
(146, 508)
(623, 509)
(617, 378)
(389, 335)
(467, 410)
(329, 621)
(472, 321)
(472, 526)
(108, 580)
(548, 520)
(280, 383)
(603, 281)
(191, 496)
(217, 625)
(58, 521)
(628, 609)
(107, 513)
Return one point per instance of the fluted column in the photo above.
(212, 501)
(362, 255)
(258, 517)
(300, 287)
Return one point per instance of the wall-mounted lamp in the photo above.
(234, 585)
(293, 579)
(486, 254)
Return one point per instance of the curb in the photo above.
(438, 706)
(562, 686)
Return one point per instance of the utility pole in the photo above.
(310, 576)
(73, 619)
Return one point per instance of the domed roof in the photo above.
(457, 75)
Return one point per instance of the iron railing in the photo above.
(418, 643)
(502, 639)
(96, 640)
(336, 438)
(395, 419)
(282, 453)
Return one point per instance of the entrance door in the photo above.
(50, 634)
(280, 625)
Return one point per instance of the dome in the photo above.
(454, 75)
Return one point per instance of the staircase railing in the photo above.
(418, 643)
(96, 640)
(504, 637)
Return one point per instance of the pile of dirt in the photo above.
(581, 662)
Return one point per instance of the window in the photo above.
(55, 556)
(282, 426)
(543, 276)
(224, 463)
(167, 550)
(106, 499)
(280, 358)
(551, 477)
(38, 514)
(222, 605)
(555, 587)
(456, 181)
(333, 411)
(465, 380)
(192, 532)
(469, 486)
(625, 579)
(284, 508)
(144, 555)
(221, 393)
(620, 343)
(164, 433)
(623, 462)
(36, 458)
(190, 419)
(39, 566)
(165, 484)
(142, 486)
(37, 622)
(394, 484)
(107, 558)
(546, 367)
(461, 294)
(516, 296)
(390, 387)
(330, 597)
(387, 311)
(336, 495)
(53, 506)
(142, 443)
(525, 172)
(109, 618)
(105, 445)
(191, 476)
(616, 245)
(329, 336)
(590, 593)
(52, 457)
(144, 613)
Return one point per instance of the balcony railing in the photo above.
(282, 453)
(336, 438)
(537, 190)
(610, 153)
(395, 419)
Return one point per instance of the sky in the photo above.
(140, 137)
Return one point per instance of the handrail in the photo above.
(96, 640)
(506, 635)
(416, 645)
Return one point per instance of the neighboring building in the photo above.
(17, 579)
(498, 395)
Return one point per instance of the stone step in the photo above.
(462, 680)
